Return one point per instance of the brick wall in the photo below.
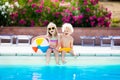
(77, 32)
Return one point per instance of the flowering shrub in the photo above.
(94, 14)
(37, 14)
(83, 13)
(5, 9)
(89, 14)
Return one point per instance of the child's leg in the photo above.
(72, 52)
(56, 56)
(48, 56)
(63, 56)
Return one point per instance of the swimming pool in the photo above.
(82, 68)
(106, 72)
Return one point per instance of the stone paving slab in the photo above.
(26, 50)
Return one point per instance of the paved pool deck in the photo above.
(26, 50)
(87, 55)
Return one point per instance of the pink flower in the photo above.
(75, 18)
(87, 9)
(57, 14)
(80, 16)
(109, 15)
(86, 20)
(94, 2)
(38, 11)
(100, 19)
(67, 11)
(92, 17)
(63, 0)
(14, 15)
(66, 19)
(85, 2)
(65, 4)
(92, 23)
(107, 24)
(45, 23)
(54, 0)
(22, 22)
(78, 8)
(34, 5)
(32, 23)
(48, 9)
(62, 13)
(40, 6)
(106, 9)
(73, 8)
(42, 2)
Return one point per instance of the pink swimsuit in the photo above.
(53, 41)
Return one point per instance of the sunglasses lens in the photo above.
(53, 28)
(49, 28)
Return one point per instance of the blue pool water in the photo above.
(101, 72)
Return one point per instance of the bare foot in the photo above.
(64, 62)
(47, 63)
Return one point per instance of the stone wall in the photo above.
(35, 31)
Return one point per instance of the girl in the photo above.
(52, 35)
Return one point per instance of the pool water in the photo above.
(100, 72)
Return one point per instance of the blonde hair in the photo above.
(67, 25)
(53, 25)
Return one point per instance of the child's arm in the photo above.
(71, 42)
(59, 42)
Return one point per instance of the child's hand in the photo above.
(57, 48)
(32, 40)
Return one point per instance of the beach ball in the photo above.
(40, 45)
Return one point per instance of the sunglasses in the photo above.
(52, 28)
